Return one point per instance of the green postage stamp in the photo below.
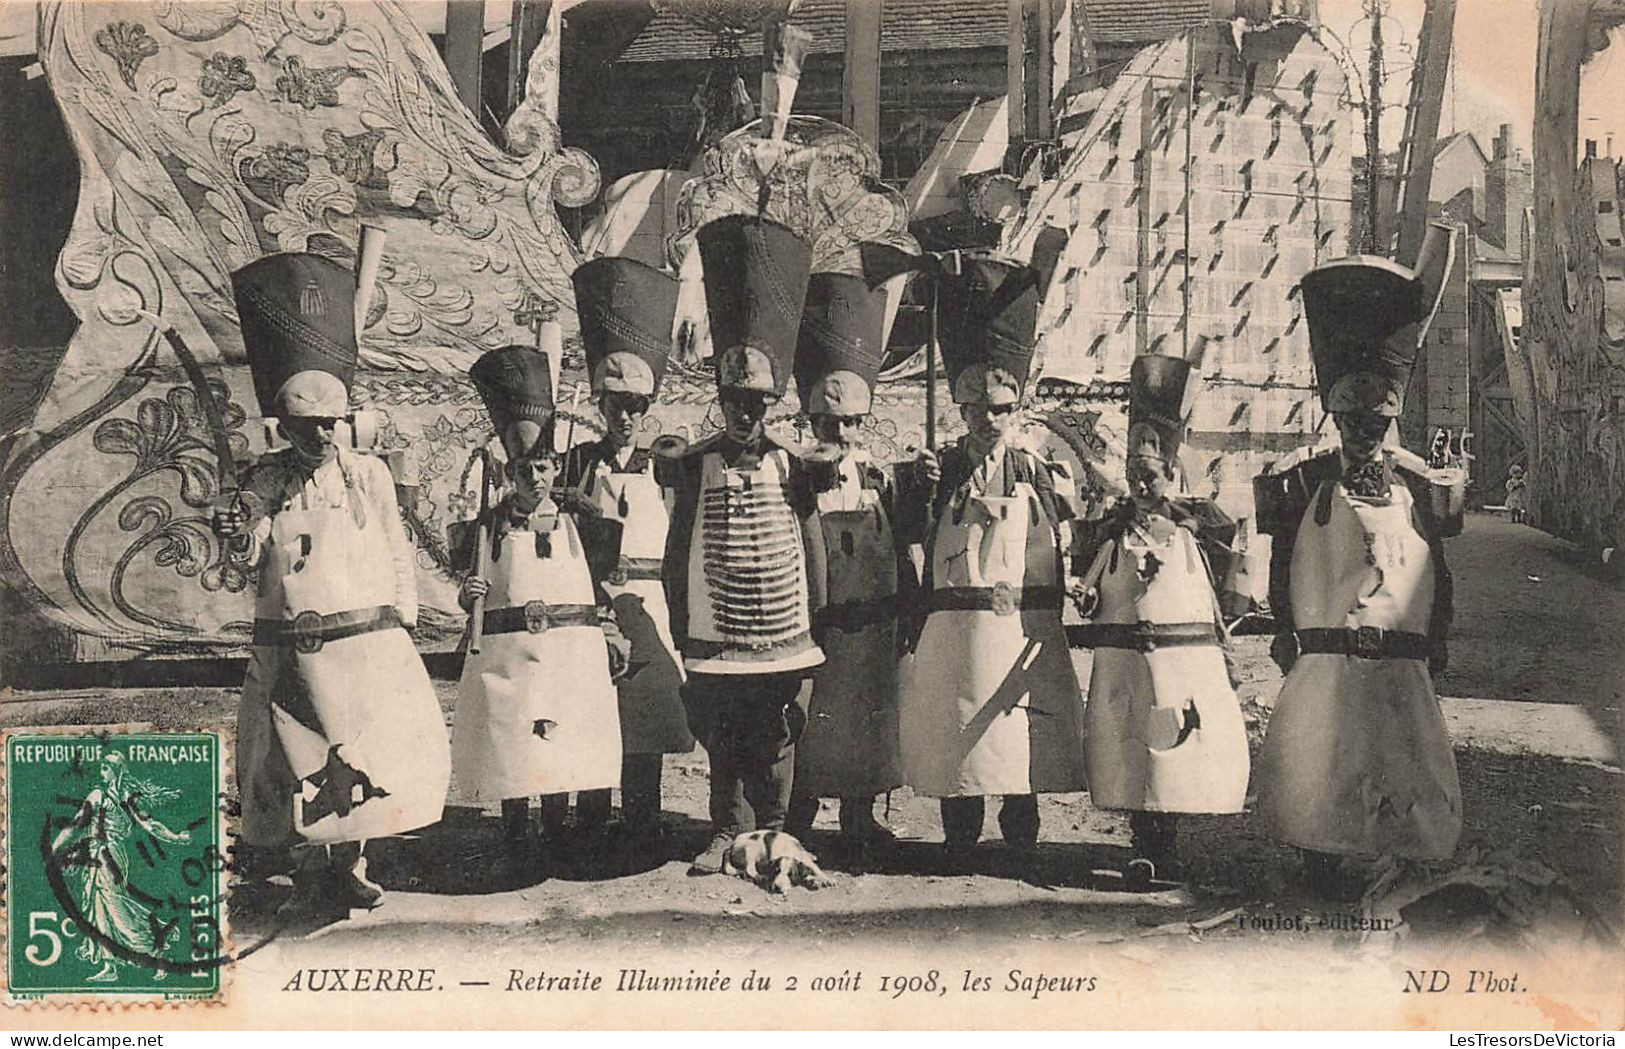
(115, 865)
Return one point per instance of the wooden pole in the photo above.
(1373, 132)
(1438, 30)
(1190, 163)
(1029, 66)
(1142, 189)
(1015, 69)
(931, 350)
(465, 47)
(860, 77)
(529, 19)
(1041, 59)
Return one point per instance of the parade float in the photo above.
(210, 134)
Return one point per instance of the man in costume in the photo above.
(626, 311)
(1357, 761)
(989, 704)
(743, 568)
(1163, 729)
(536, 712)
(339, 737)
(850, 749)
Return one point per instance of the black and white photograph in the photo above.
(804, 515)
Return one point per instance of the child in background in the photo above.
(1517, 495)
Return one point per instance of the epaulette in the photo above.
(1438, 493)
(264, 481)
(1215, 531)
(793, 448)
(1409, 462)
(670, 457)
(700, 447)
(1206, 519)
(1109, 526)
(1282, 493)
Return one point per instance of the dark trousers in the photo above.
(855, 811)
(748, 724)
(640, 797)
(1018, 819)
(1153, 834)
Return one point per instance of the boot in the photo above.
(313, 884)
(592, 811)
(515, 823)
(352, 887)
(799, 817)
(640, 795)
(555, 816)
(1152, 853)
(861, 828)
(1018, 824)
(710, 860)
(1327, 875)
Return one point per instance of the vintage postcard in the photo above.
(833, 514)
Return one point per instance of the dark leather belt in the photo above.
(1141, 637)
(538, 616)
(1366, 642)
(308, 631)
(629, 568)
(855, 615)
(1002, 599)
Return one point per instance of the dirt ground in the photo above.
(1534, 624)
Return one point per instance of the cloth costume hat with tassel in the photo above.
(987, 320)
(515, 384)
(755, 273)
(297, 314)
(626, 309)
(1367, 319)
(1161, 393)
(840, 349)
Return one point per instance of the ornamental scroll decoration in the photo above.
(210, 133)
(825, 186)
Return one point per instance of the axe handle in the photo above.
(369, 254)
(931, 374)
(482, 554)
(482, 564)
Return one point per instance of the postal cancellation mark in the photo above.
(116, 863)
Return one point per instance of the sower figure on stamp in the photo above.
(1163, 729)
(989, 703)
(850, 749)
(1357, 761)
(626, 311)
(104, 828)
(340, 738)
(536, 711)
(744, 563)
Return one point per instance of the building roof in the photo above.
(1141, 21)
(906, 25)
(1440, 145)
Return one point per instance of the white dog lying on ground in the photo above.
(774, 860)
